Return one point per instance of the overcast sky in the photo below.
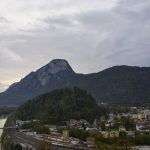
(91, 34)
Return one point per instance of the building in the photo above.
(105, 134)
(92, 129)
(72, 123)
(90, 142)
(65, 134)
(74, 141)
(130, 133)
(122, 129)
(110, 134)
(52, 128)
(114, 134)
(20, 122)
(139, 116)
(25, 130)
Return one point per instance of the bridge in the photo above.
(9, 128)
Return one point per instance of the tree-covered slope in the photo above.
(60, 105)
(119, 84)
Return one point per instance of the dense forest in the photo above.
(60, 105)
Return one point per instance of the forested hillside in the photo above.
(59, 106)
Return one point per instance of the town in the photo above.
(81, 134)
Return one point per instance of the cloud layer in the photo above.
(91, 35)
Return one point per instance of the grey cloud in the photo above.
(110, 37)
(60, 21)
(126, 29)
(90, 39)
(4, 20)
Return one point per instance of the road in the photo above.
(29, 141)
(17, 137)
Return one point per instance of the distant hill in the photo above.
(60, 105)
(119, 84)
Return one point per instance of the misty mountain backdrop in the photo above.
(119, 84)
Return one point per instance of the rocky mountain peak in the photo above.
(56, 66)
(52, 68)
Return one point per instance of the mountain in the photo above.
(119, 84)
(56, 74)
(53, 107)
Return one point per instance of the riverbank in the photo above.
(2, 123)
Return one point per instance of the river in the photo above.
(2, 122)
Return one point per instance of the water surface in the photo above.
(2, 122)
